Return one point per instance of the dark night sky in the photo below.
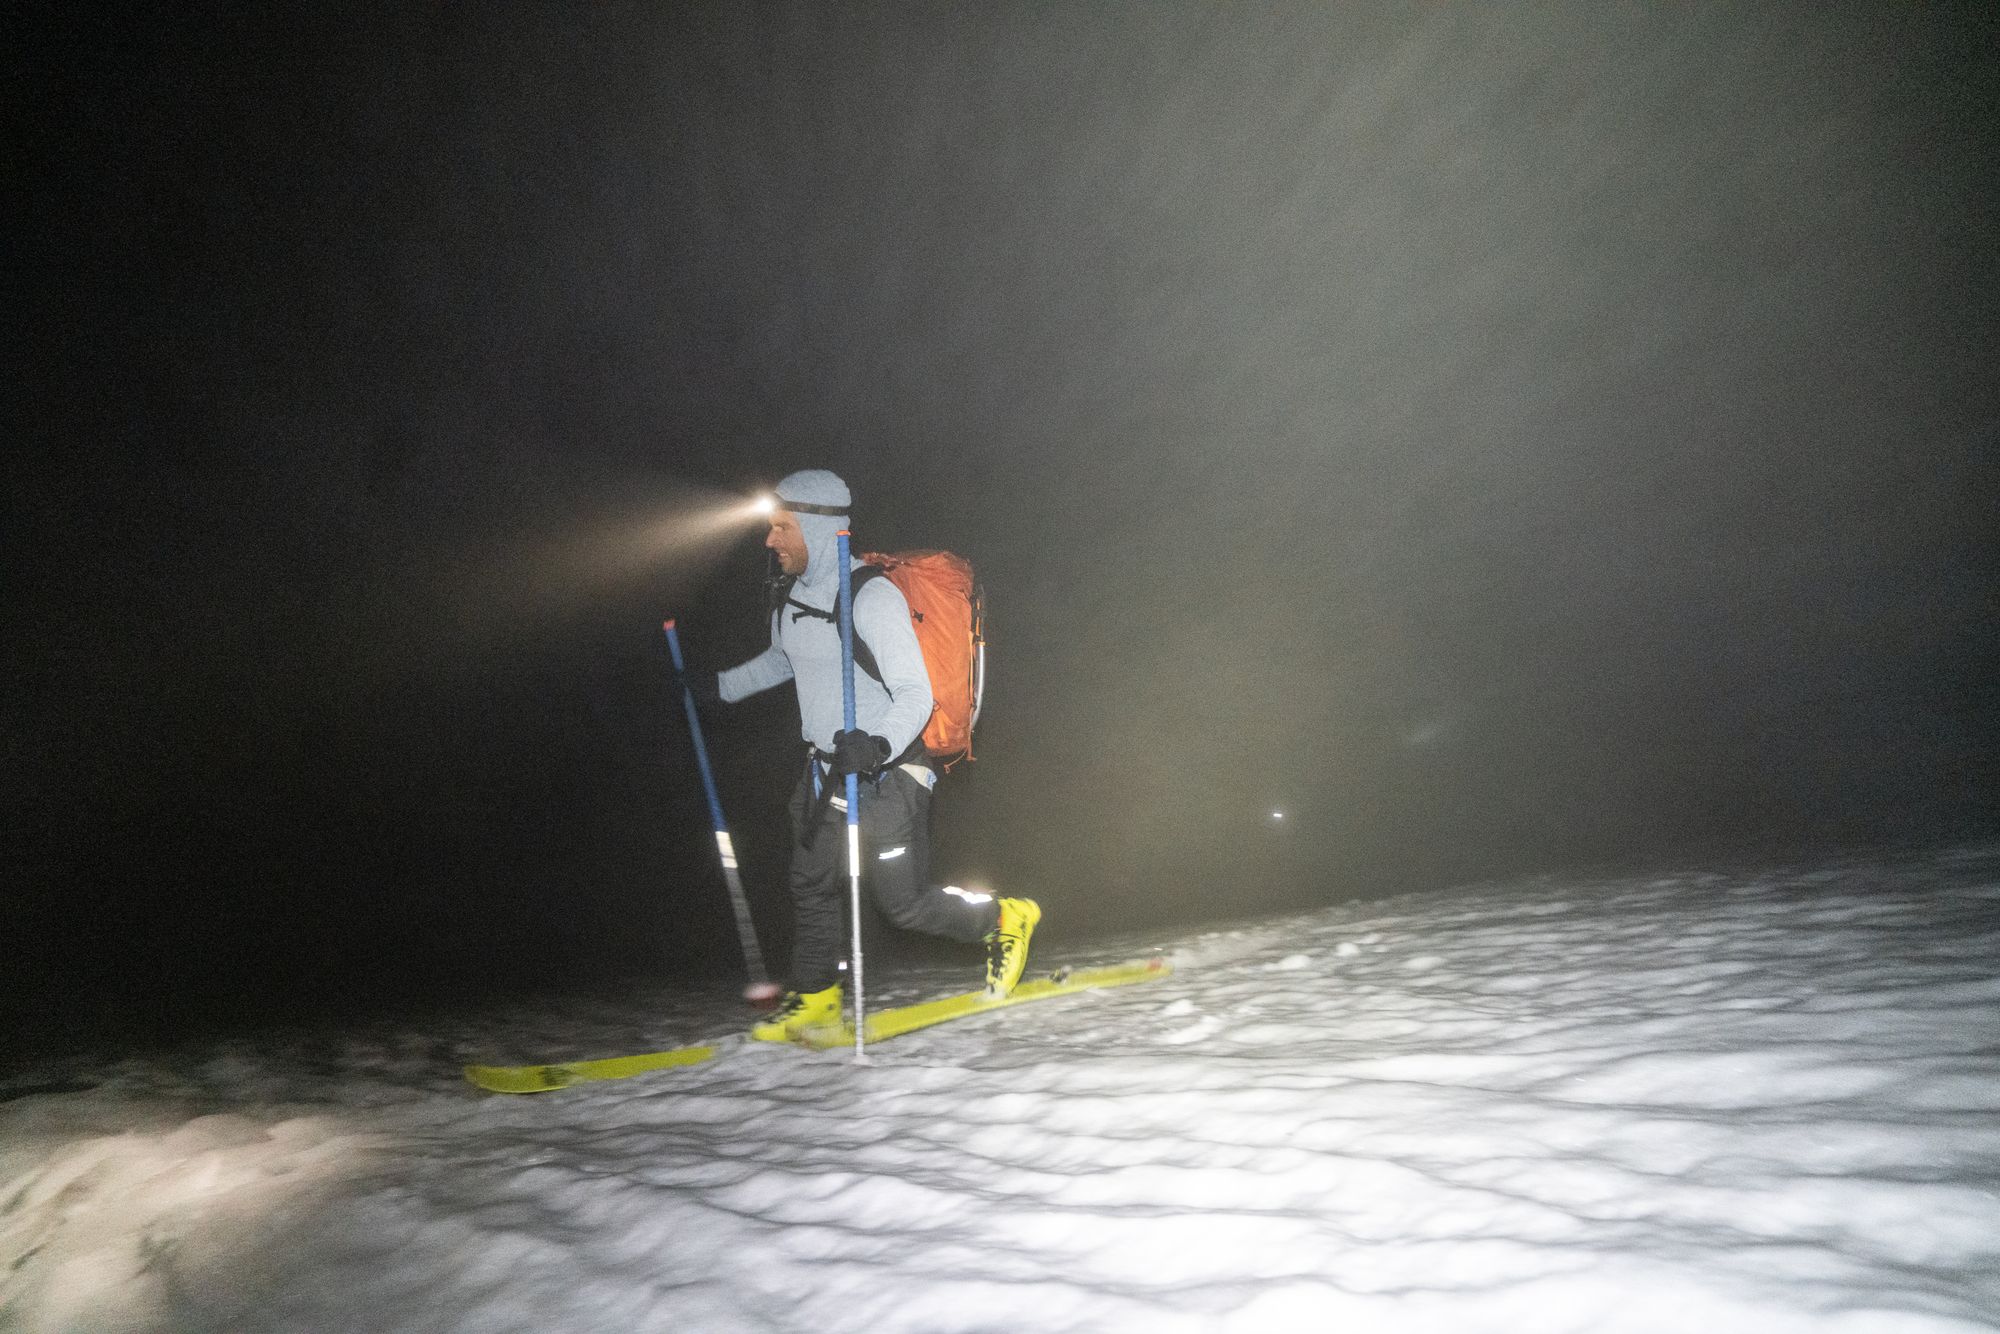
(1507, 438)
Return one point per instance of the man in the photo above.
(892, 703)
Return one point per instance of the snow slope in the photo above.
(1699, 1101)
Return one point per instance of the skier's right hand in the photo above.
(704, 686)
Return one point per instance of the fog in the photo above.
(1501, 439)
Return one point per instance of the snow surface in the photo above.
(1699, 1101)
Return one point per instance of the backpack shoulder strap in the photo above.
(864, 657)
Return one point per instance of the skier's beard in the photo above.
(777, 584)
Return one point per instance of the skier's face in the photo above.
(786, 539)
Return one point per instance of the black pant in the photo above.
(895, 872)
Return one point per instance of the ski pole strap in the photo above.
(821, 797)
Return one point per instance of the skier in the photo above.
(886, 750)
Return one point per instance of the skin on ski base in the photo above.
(908, 1018)
(543, 1078)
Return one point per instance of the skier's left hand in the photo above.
(858, 753)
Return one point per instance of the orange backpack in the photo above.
(948, 611)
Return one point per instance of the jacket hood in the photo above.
(820, 502)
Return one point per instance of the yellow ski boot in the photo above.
(797, 1012)
(1007, 945)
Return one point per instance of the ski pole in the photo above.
(853, 793)
(761, 987)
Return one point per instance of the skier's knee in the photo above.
(906, 914)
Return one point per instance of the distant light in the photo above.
(1277, 815)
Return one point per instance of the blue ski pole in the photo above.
(761, 989)
(853, 793)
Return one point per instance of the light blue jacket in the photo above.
(805, 649)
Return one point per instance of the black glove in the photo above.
(858, 753)
(702, 685)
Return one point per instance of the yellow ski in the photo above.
(543, 1078)
(908, 1018)
(881, 1025)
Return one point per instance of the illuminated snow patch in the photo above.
(1694, 1101)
